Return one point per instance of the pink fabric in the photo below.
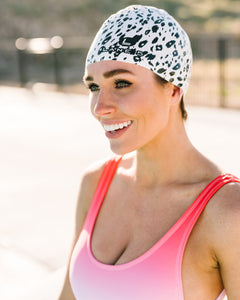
(222, 296)
(156, 274)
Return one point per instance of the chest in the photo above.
(129, 225)
(160, 226)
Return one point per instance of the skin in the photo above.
(159, 177)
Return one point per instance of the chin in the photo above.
(120, 149)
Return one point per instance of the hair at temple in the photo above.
(182, 106)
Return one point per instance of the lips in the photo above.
(115, 127)
(114, 131)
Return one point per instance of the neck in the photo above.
(167, 159)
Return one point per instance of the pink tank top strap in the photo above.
(191, 216)
(202, 200)
(186, 223)
(101, 190)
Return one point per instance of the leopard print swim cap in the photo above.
(146, 36)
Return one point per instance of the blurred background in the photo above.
(47, 136)
(213, 26)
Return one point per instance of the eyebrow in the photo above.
(109, 74)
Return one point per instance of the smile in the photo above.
(114, 127)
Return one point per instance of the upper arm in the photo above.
(227, 240)
(86, 192)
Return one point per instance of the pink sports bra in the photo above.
(156, 274)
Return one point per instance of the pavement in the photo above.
(47, 139)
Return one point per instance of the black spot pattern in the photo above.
(146, 36)
(159, 47)
(155, 28)
(143, 43)
(169, 44)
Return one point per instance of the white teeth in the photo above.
(112, 127)
(116, 126)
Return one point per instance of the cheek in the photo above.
(156, 114)
(134, 102)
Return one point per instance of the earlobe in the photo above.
(177, 94)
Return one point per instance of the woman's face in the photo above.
(130, 105)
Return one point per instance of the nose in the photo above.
(102, 105)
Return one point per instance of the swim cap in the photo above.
(146, 36)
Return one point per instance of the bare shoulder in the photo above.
(88, 185)
(91, 176)
(226, 202)
(225, 232)
(224, 207)
(223, 220)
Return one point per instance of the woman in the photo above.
(145, 226)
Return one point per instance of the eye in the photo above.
(119, 83)
(93, 87)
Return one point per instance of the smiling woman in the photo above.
(121, 93)
(155, 221)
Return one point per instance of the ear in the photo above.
(177, 94)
